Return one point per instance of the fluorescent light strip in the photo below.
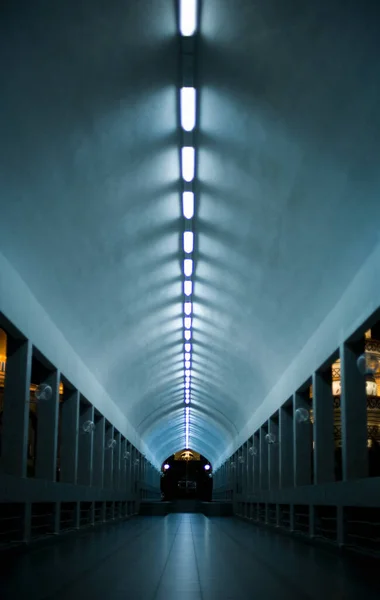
(188, 108)
(187, 347)
(188, 17)
(187, 364)
(187, 287)
(188, 163)
(188, 205)
(187, 308)
(187, 356)
(188, 242)
(187, 322)
(188, 267)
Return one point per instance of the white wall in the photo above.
(359, 301)
(22, 309)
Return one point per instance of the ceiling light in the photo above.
(187, 355)
(187, 347)
(187, 400)
(188, 287)
(187, 322)
(187, 385)
(188, 163)
(187, 334)
(188, 108)
(188, 241)
(187, 373)
(187, 364)
(187, 17)
(187, 308)
(188, 267)
(188, 205)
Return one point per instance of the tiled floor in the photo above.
(182, 557)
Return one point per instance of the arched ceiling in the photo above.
(287, 202)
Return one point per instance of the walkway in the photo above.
(182, 557)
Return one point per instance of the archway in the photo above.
(186, 474)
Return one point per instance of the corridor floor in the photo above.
(182, 557)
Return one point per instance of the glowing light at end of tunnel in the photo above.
(188, 163)
(187, 308)
(188, 108)
(188, 17)
(188, 205)
(188, 287)
(188, 242)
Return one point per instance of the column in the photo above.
(286, 446)
(273, 450)
(108, 458)
(129, 469)
(123, 465)
(303, 440)
(256, 462)
(85, 446)
(69, 436)
(16, 407)
(323, 413)
(47, 430)
(98, 453)
(117, 461)
(263, 459)
(353, 414)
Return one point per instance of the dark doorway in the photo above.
(186, 474)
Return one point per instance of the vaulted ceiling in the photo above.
(286, 203)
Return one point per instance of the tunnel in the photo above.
(189, 299)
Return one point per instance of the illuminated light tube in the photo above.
(188, 163)
(187, 400)
(187, 355)
(188, 17)
(187, 334)
(187, 364)
(187, 385)
(187, 373)
(188, 242)
(187, 347)
(188, 267)
(187, 322)
(188, 108)
(188, 287)
(188, 205)
(187, 308)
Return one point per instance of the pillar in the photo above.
(302, 439)
(16, 407)
(256, 462)
(123, 465)
(263, 460)
(286, 447)
(85, 446)
(108, 458)
(69, 436)
(98, 453)
(117, 461)
(323, 413)
(47, 430)
(273, 450)
(353, 414)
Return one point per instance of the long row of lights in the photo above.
(188, 15)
